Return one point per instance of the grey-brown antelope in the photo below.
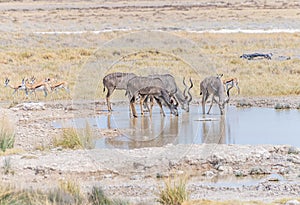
(115, 81)
(148, 86)
(161, 95)
(170, 85)
(213, 86)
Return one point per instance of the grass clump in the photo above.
(68, 193)
(7, 135)
(73, 138)
(174, 193)
(7, 169)
(98, 197)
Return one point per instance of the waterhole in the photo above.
(245, 126)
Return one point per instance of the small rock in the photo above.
(258, 170)
(239, 173)
(136, 177)
(108, 176)
(292, 202)
(293, 150)
(209, 173)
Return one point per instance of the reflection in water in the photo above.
(237, 126)
(214, 131)
(146, 131)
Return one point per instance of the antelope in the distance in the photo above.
(115, 81)
(213, 86)
(32, 86)
(16, 88)
(56, 85)
(230, 83)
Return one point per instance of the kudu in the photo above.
(170, 85)
(146, 86)
(213, 86)
(115, 81)
(160, 95)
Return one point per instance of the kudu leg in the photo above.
(161, 108)
(142, 101)
(109, 92)
(204, 99)
(132, 107)
(212, 101)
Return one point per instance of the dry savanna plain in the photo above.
(79, 42)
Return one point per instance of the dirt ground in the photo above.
(263, 172)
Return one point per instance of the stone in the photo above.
(292, 202)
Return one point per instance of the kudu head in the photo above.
(187, 95)
(173, 107)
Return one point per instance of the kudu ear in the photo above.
(220, 75)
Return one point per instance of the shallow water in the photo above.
(238, 126)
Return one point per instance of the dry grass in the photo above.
(236, 202)
(174, 192)
(7, 134)
(81, 66)
(73, 138)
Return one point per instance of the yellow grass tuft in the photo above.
(174, 192)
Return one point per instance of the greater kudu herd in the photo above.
(164, 90)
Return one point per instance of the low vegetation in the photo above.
(236, 202)
(72, 138)
(174, 192)
(7, 135)
(220, 54)
(67, 193)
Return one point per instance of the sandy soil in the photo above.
(136, 174)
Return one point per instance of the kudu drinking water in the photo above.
(148, 86)
(115, 81)
(170, 85)
(161, 95)
(215, 87)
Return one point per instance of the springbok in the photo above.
(16, 88)
(115, 81)
(230, 83)
(56, 85)
(170, 85)
(213, 86)
(31, 86)
(160, 95)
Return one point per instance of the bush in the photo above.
(98, 197)
(75, 138)
(7, 135)
(173, 193)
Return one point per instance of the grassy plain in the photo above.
(219, 54)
